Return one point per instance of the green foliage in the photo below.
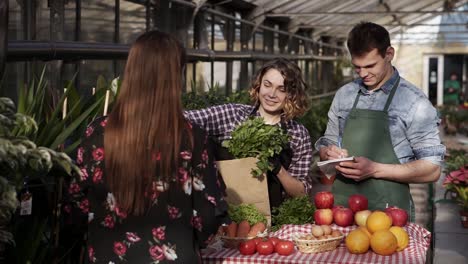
(53, 126)
(455, 119)
(8, 204)
(248, 212)
(196, 99)
(455, 160)
(316, 118)
(297, 211)
(30, 139)
(254, 138)
(20, 157)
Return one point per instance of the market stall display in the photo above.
(414, 253)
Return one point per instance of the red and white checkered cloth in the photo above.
(415, 253)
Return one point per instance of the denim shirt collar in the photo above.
(386, 87)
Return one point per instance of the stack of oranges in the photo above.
(379, 235)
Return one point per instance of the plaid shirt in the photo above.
(219, 121)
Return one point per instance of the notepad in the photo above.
(328, 166)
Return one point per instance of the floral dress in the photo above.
(184, 216)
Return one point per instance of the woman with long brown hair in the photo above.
(148, 182)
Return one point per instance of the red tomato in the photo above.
(284, 247)
(257, 240)
(247, 247)
(265, 248)
(274, 240)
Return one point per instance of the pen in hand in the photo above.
(339, 144)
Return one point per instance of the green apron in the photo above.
(367, 134)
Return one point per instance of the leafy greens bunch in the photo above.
(254, 138)
(296, 210)
(246, 212)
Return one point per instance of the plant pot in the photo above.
(464, 218)
(453, 195)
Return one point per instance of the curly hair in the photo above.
(296, 100)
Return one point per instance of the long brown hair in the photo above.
(144, 130)
(296, 100)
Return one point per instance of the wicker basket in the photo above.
(233, 242)
(316, 246)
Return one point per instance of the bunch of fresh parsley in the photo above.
(254, 138)
(297, 210)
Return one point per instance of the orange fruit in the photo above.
(383, 242)
(364, 229)
(357, 242)
(377, 221)
(401, 236)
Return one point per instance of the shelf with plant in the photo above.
(456, 182)
(36, 139)
(23, 163)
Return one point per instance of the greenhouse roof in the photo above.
(336, 17)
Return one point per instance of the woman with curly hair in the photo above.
(278, 94)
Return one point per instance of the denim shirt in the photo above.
(413, 121)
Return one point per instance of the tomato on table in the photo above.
(265, 248)
(247, 247)
(274, 240)
(258, 240)
(284, 247)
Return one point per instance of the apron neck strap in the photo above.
(389, 99)
(392, 93)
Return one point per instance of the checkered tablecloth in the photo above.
(415, 253)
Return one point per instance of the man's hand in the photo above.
(359, 169)
(332, 152)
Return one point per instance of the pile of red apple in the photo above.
(357, 213)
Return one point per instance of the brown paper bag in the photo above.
(242, 187)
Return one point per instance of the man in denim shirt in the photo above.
(385, 122)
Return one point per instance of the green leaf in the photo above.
(69, 130)
(254, 138)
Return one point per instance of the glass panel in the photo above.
(70, 21)
(220, 74)
(15, 23)
(236, 69)
(132, 21)
(220, 41)
(42, 21)
(208, 29)
(189, 79)
(259, 40)
(237, 43)
(97, 20)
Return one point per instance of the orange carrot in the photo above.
(257, 228)
(243, 228)
(231, 229)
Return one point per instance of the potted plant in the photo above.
(457, 181)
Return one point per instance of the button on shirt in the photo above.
(219, 121)
(413, 121)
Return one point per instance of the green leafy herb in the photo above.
(246, 212)
(254, 138)
(297, 210)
